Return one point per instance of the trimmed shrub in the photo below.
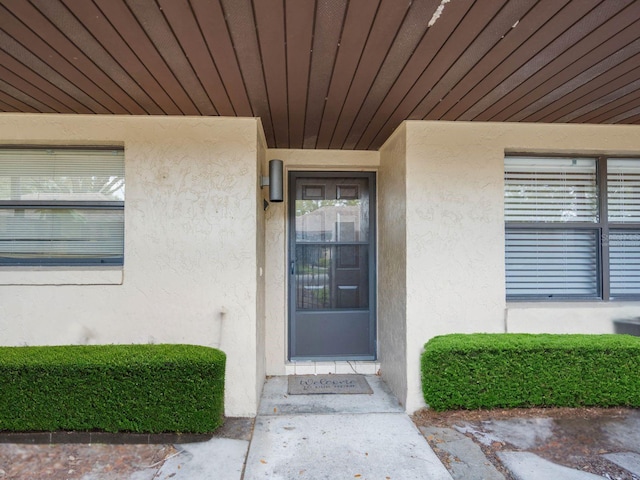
(522, 370)
(112, 388)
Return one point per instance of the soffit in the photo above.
(328, 73)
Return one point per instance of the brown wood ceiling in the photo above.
(326, 73)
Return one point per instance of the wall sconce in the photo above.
(274, 181)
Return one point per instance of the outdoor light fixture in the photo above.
(274, 181)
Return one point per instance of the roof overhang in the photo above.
(327, 73)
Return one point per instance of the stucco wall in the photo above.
(455, 232)
(204, 263)
(392, 264)
(261, 346)
(191, 241)
(579, 317)
(276, 240)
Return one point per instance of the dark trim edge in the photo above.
(123, 438)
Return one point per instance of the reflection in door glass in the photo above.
(340, 220)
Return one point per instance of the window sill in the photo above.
(582, 303)
(61, 276)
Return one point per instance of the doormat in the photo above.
(328, 384)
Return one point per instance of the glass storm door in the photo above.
(332, 266)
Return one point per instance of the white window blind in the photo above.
(623, 197)
(555, 259)
(623, 190)
(624, 262)
(551, 263)
(61, 206)
(550, 190)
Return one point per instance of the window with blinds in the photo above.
(572, 228)
(623, 238)
(61, 206)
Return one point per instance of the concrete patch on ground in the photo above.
(524, 433)
(150, 474)
(529, 466)
(483, 437)
(219, 458)
(385, 445)
(465, 459)
(624, 433)
(628, 460)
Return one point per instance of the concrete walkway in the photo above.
(337, 436)
(312, 437)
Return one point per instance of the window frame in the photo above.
(602, 229)
(101, 205)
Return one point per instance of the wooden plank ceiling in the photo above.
(338, 74)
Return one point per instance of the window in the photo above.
(61, 206)
(572, 228)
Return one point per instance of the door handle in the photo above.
(292, 267)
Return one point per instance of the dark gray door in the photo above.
(332, 266)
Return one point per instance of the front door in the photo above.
(332, 266)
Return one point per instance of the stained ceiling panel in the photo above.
(325, 73)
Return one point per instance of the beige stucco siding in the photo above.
(455, 232)
(392, 263)
(191, 245)
(205, 264)
(261, 346)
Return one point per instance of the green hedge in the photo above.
(112, 388)
(520, 370)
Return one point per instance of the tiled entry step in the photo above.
(323, 368)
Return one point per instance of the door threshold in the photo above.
(361, 367)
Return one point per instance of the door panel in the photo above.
(332, 334)
(332, 269)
